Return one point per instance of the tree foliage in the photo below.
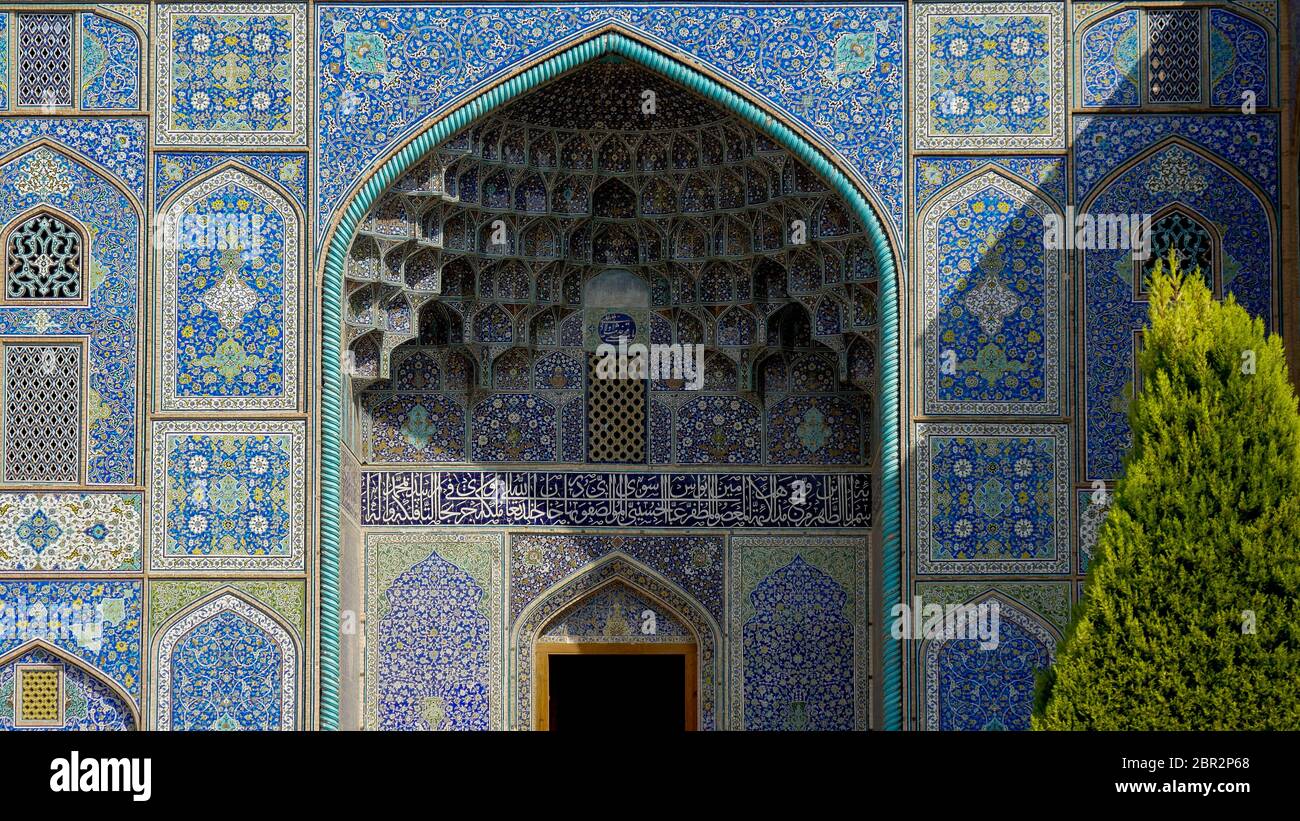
(1191, 614)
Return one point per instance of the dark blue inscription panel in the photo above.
(729, 500)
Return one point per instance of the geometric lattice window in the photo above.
(45, 60)
(616, 418)
(44, 259)
(38, 696)
(1191, 243)
(42, 412)
(1174, 55)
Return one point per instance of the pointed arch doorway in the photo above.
(617, 658)
(596, 687)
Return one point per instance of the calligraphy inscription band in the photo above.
(585, 499)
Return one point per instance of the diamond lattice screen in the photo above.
(42, 413)
(616, 428)
(40, 696)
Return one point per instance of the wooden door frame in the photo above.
(543, 650)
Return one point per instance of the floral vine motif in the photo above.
(230, 298)
(1174, 174)
(991, 300)
(44, 175)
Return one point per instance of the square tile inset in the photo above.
(231, 74)
(227, 496)
(989, 75)
(993, 498)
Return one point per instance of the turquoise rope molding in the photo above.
(331, 319)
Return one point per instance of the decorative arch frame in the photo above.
(1019, 614)
(615, 568)
(89, 669)
(76, 156)
(83, 258)
(1102, 185)
(608, 39)
(1093, 18)
(170, 214)
(138, 214)
(1078, 329)
(1027, 195)
(223, 600)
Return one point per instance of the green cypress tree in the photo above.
(1191, 612)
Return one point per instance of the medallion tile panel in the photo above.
(992, 498)
(230, 298)
(992, 305)
(228, 496)
(989, 75)
(817, 430)
(231, 74)
(424, 427)
(71, 531)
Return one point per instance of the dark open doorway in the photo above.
(619, 691)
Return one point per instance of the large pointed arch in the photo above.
(606, 40)
(617, 568)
